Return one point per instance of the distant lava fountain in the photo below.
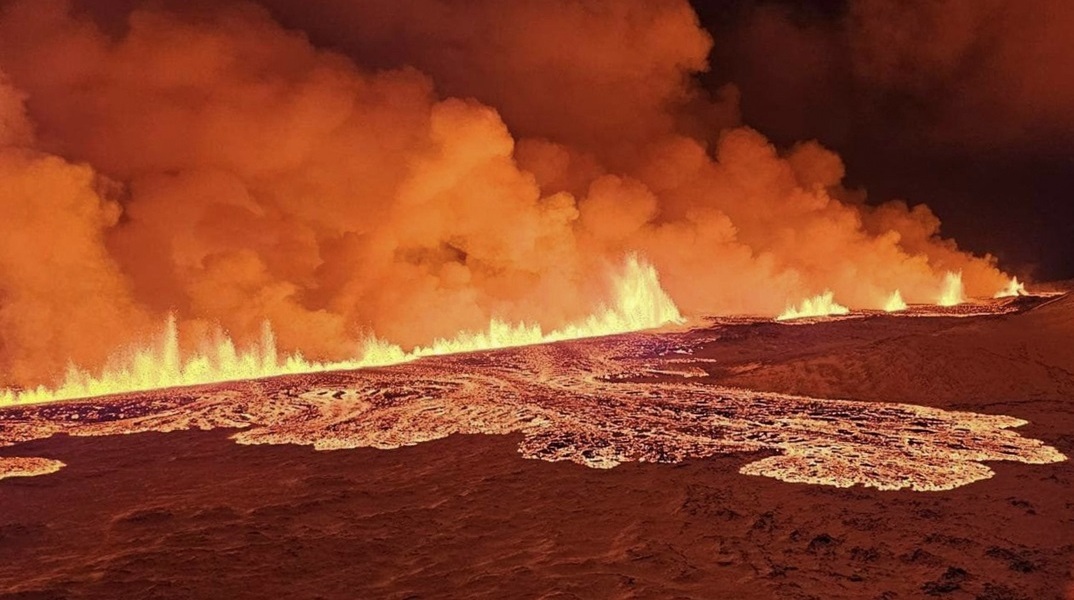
(895, 303)
(1014, 288)
(638, 303)
(818, 306)
(953, 293)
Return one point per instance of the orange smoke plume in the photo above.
(209, 163)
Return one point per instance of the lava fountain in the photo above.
(821, 305)
(638, 302)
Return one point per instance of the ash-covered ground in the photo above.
(871, 456)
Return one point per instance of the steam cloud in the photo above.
(442, 164)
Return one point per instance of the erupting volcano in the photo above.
(446, 237)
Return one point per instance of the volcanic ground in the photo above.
(920, 454)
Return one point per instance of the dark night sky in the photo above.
(995, 191)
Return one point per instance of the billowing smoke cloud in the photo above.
(442, 164)
(58, 283)
(601, 77)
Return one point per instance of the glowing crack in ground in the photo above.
(597, 402)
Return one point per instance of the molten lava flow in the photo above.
(817, 306)
(953, 293)
(15, 466)
(639, 303)
(895, 303)
(596, 402)
(1014, 288)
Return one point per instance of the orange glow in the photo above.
(638, 303)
